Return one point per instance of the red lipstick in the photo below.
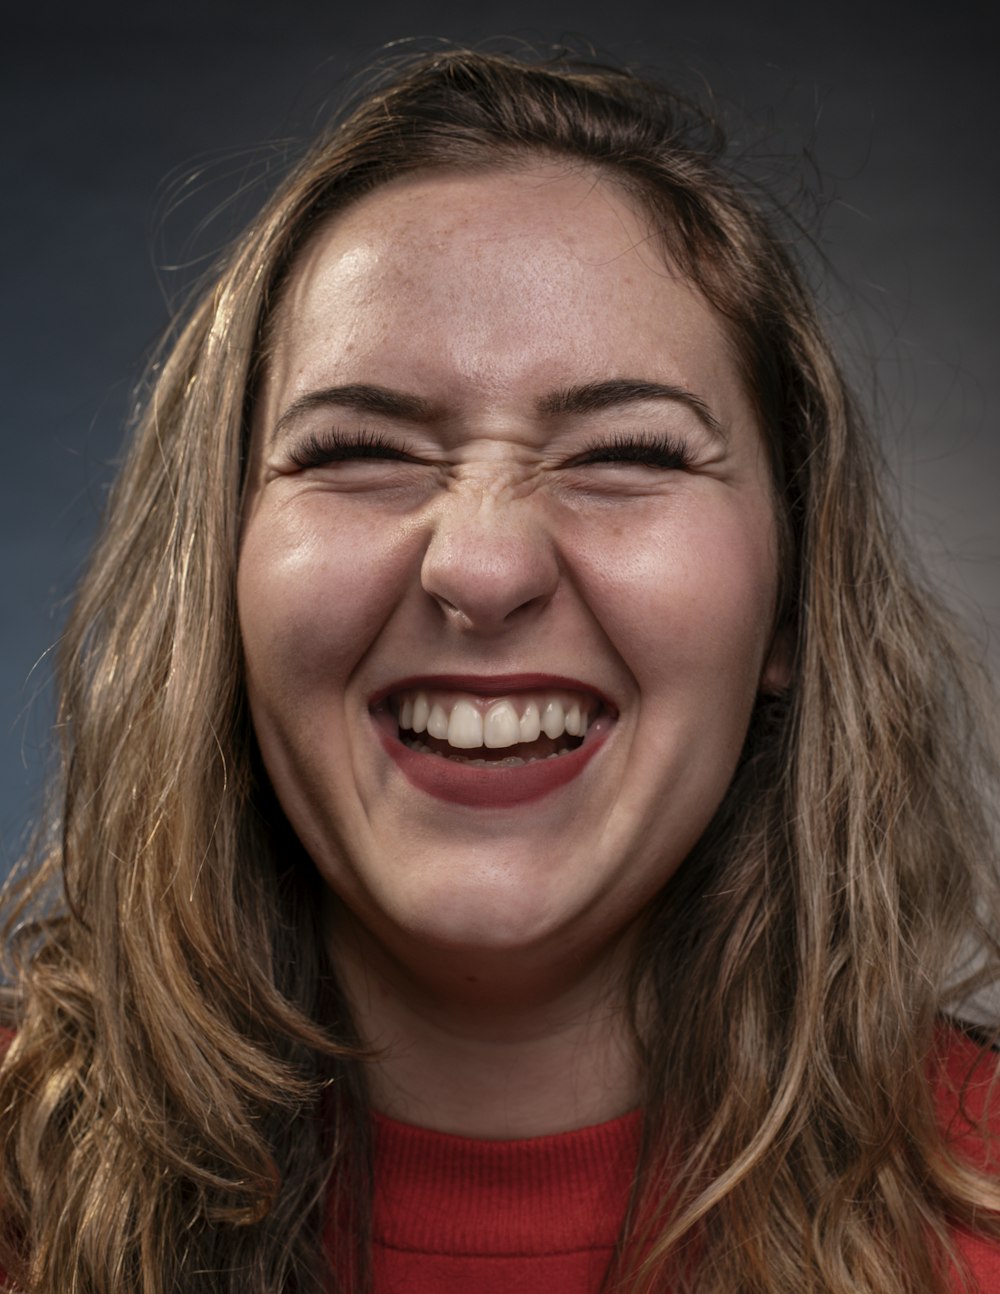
(491, 685)
(478, 785)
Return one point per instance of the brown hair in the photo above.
(184, 1091)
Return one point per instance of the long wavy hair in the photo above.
(182, 1106)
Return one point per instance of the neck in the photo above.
(495, 1046)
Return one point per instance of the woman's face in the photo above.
(506, 492)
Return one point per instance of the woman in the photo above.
(522, 824)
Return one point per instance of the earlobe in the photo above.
(776, 676)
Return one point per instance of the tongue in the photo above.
(539, 749)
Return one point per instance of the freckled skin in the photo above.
(482, 294)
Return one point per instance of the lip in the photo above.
(490, 685)
(470, 784)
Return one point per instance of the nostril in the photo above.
(482, 614)
(451, 611)
(487, 595)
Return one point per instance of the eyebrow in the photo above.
(589, 397)
(592, 397)
(363, 398)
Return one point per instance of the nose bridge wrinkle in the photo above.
(492, 483)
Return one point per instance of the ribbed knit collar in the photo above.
(445, 1194)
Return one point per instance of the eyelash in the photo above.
(335, 446)
(659, 451)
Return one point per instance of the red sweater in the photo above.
(455, 1215)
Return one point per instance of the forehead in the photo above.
(483, 280)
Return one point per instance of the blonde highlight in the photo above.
(184, 1094)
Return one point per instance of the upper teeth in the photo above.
(496, 724)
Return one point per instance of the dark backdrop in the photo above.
(125, 127)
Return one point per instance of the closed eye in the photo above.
(658, 451)
(336, 446)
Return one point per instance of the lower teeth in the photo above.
(510, 761)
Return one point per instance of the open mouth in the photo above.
(498, 748)
(503, 732)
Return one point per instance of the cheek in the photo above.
(689, 592)
(313, 593)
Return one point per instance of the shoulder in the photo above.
(965, 1080)
(965, 1077)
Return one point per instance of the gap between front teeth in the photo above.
(466, 728)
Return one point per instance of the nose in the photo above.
(489, 564)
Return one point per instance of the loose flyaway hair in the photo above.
(182, 1106)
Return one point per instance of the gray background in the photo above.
(125, 128)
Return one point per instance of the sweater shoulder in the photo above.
(965, 1079)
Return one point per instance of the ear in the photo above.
(776, 676)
